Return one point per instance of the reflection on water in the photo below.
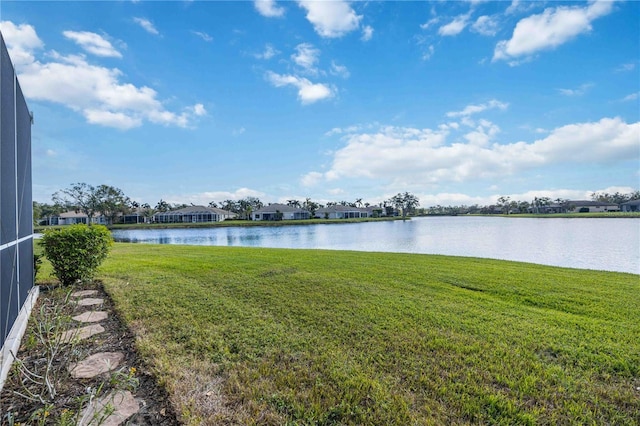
(607, 244)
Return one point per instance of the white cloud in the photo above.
(339, 70)
(118, 120)
(146, 25)
(429, 23)
(311, 179)
(427, 54)
(519, 6)
(486, 25)
(206, 37)
(626, 67)
(474, 109)
(238, 132)
(94, 91)
(268, 53)
(576, 92)
(548, 30)
(21, 41)
(307, 57)
(403, 156)
(454, 27)
(367, 33)
(199, 110)
(631, 97)
(308, 92)
(331, 19)
(204, 198)
(268, 8)
(93, 43)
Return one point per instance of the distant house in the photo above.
(582, 206)
(342, 212)
(280, 212)
(630, 206)
(193, 214)
(73, 218)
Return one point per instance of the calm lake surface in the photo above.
(603, 244)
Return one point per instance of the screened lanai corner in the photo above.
(17, 290)
(193, 214)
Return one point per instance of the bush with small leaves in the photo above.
(76, 251)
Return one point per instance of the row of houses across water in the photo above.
(200, 214)
(275, 212)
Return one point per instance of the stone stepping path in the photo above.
(96, 364)
(91, 316)
(123, 402)
(90, 302)
(84, 293)
(82, 332)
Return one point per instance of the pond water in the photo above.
(587, 243)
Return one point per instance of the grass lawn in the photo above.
(305, 337)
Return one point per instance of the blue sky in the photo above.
(456, 102)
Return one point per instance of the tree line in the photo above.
(112, 203)
(538, 205)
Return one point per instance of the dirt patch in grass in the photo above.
(28, 401)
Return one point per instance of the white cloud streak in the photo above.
(454, 27)
(367, 33)
(94, 91)
(403, 156)
(306, 57)
(576, 92)
(204, 198)
(331, 19)
(146, 25)
(93, 43)
(268, 53)
(269, 8)
(204, 36)
(475, 109)
(308, 92)
(485, 25)
(548, 30)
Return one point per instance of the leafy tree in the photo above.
(111, 202)
(294, 203)
(230, 205)
(163, 206)
(81, 197)
(504, 203)
(47, 211)
(37, 212)
(406, 202)
(310, 206)
(147, 212)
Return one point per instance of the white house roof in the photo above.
(71, 214)
(341, 208)
(195, 210)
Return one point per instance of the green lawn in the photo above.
(272, 336)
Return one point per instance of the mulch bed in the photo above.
(155, 407)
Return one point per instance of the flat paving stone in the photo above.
(96, 364)
(123, 402)
(91, 316)
(84, 293)
(90, 301)
(82, 332)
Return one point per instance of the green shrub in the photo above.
(76, 251)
